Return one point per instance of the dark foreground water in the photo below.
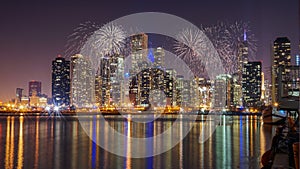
(41, 142)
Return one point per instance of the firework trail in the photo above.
(187, 42)
(197, 51)
(218, 35)
(238, 33)
(79, 37)
(107, 41)
(225, 38)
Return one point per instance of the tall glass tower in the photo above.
(82, 82)
(281, 58)
(61, 82)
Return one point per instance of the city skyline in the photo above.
(29, 59)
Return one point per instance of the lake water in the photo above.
(56, 142)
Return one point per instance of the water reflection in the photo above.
(238, 142)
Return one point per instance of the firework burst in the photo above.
(226, 39)
(79, 37)
(194, 47)
(240, 32)
(108, 40)
(187, 42)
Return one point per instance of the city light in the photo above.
(47, 108)
(56, 108)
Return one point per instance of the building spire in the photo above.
(245, 35)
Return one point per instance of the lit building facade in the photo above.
(205, 93)
(110, 74)
(61, 82)
(281, 58)
(19, 94)
(34, 86)
(288, 84)
(138, 53)
(159, 58)
(222, 92)
(266, 93)
(82, 82)
(236, 92)
(116, 77)
(252, 84)
(157, 77)
(243, 55)
(170, 87)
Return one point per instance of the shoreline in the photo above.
(73, 113)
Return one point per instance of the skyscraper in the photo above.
(222, 92)
(61, 82)
(19, 94)
(281, 58)
(35, 86)
(297, 60)
(116, 77)
(252, 82)
(159, 58)
(170, 87)
(242, 57)
(138, 53)
(82, 82)
(236, 91)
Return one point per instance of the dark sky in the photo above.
(32, 33)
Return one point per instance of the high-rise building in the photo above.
(116, 77)
(179, 90)
(263, 87)
(159, 58)
(109, 89)
(19, 94)
(61, 82)
(82, 82)
(103, 84)
(205, 93)
(157, 77)
(297, 60)
(267, 99)
(288, 84)
(186, 94)
(236, 91)
(222, 92)
(35, 86)
(242, 57)
(281, 58)
(138, 53)
(252, 84)
(170, 87)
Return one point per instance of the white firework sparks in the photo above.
(79, 37)
(194, 47)
(109, 39)
(187, 43)
(225, 38)
(240, 32)
(219, 37)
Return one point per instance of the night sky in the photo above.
(32, 34)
